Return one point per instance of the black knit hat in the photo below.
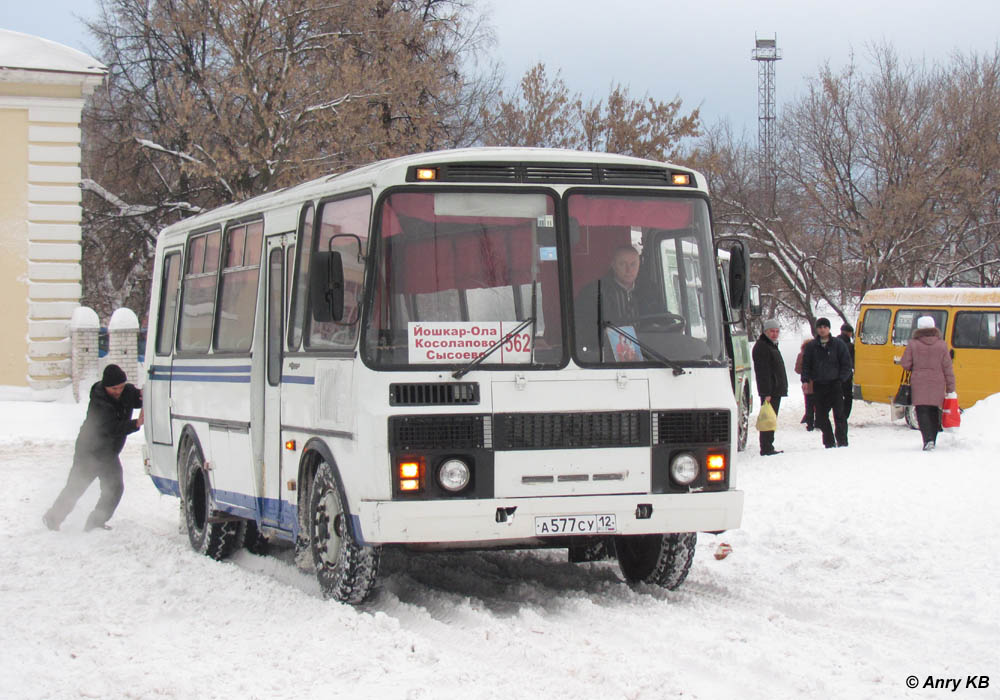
(847, 327)
(822, 321)
(113, 376)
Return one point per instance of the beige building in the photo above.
(43, 86)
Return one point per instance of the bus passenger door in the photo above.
(156, 393)
(275, 513)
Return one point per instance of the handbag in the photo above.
(767, 419)
(951, 416)
(904, 395)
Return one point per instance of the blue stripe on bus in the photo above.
(201, 368)
(265, 509)
(229, 379)
(292, 379)
(166, 486)
(230, 374)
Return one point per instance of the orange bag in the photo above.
(950, 415)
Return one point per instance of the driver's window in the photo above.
(343, 224)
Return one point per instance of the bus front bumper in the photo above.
(514, 520)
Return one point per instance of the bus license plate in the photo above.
(575, 524)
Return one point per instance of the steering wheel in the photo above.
(663, 322)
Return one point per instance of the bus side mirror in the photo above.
(739, 278)
(326, 287)
(754, 300)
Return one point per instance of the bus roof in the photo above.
(393, 171)
(933, 296)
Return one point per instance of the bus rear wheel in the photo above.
(663, 560)
(207, 532)
(345, 569)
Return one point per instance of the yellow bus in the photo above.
(969, 321)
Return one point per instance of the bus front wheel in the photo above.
(208, 532)
(743, 427)
(345, 569)
(663, 560)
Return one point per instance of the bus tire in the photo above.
(663, 560)
(345, 569)
(743, 426)
(217, 540)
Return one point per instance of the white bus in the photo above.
(417, 353)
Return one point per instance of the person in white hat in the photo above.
(931, 377)
(772, 381)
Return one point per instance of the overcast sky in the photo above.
(699, 51)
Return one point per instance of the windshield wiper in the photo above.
(678, 370)
(459, 373)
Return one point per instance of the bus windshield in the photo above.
(644, 279)
(457, 271)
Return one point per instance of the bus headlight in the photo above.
(454, 475)
(684, 468)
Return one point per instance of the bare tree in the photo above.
(886, 179)
(545, 113)
(786, 263)
(212, 102)
(889, 173)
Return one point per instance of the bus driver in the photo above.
(619, 300)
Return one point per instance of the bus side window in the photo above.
(166, 322)
(300, 294)
(875, 327)
(976, 329)
(906, 323)
(198, 292)
(238, 288)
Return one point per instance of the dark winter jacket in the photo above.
(850, 347)
(108, 422)
(929, 361)
(769, 368)
(829, 362)
(618, 306)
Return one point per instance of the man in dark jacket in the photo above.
(619, 301)
(827, 363)
(102, 436)
(772, 382)
(847, 335)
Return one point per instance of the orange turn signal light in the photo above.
(680, 178)
(427, 173)
(290, 445)
(411, 474)
(716, 476)
(716, 461)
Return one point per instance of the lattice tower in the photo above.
(766, 52)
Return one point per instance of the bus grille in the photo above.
(686, 427)
(624, 175)
(543, 431)
(427, 394)
(439, 432)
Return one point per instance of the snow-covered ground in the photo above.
(854, 569)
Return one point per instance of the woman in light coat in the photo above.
(931, 377)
